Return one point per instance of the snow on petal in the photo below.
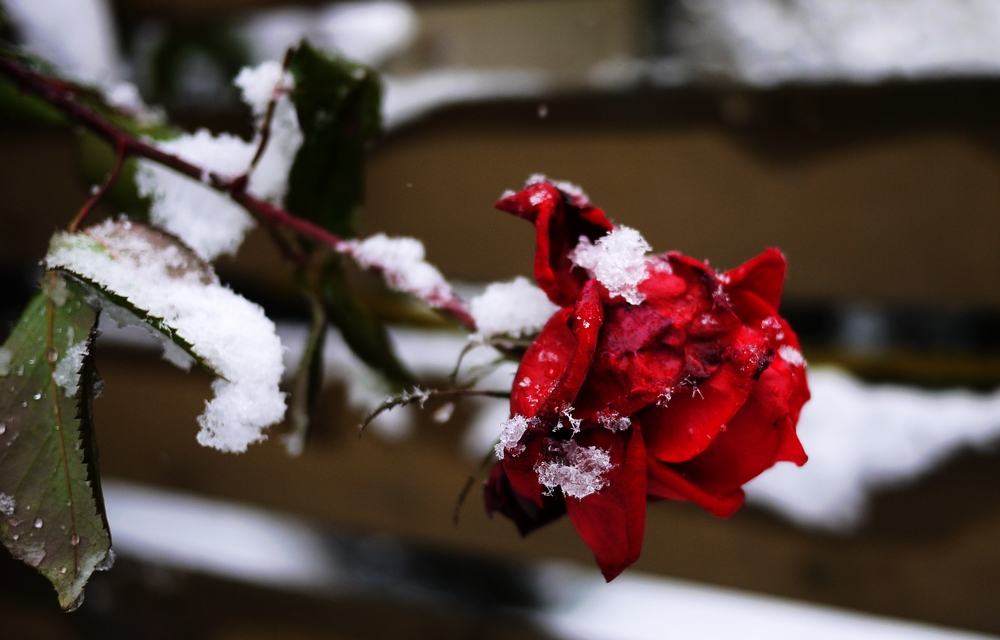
(617, 260)
(517, 308)
(578, 471)
(791, 355)
(401, 260)
(511, 432)
(228, 333)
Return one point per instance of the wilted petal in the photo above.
(612, 521)
(560, 218)
(500, 497)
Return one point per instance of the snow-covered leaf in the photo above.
(141, 274)
(51, 509)
(338, 106)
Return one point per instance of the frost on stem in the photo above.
(617, 260)
(577, 471)
(206, 220)
(155, 277)
(516, 309)
(401, 261)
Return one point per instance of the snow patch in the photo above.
(401, 261)
(862, 438)
(230, 334)
(577, 471)
(7, 504)
(517, 308)
(617, 260)
(5, 357)
(791, 355)
(67, 370)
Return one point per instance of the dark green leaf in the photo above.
(338, 105)
(51, 510)
(308, 381)
(19, 106)
(363, 332)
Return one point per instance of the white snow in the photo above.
(511, 432)
(369, 32)
(7, 504)
(517, 308)
(861, 438)
(77, 36)
(208, 221)
(766, 42)
(578, 471)
(407, 98)
(5, 357)
(67, 371)
(214, 537)
(617, 260)
(401, 261)
(225, 331)
(637, 606)
(791, 355)
(613, 421)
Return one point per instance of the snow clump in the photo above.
(401, 261)
(617, 260)
(510, 435)
(578, 471)
(67, 371)
(517, 308)
(206, 220)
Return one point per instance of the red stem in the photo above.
(61, 96)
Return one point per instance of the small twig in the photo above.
(469, 483)
(423, 395)
(265, 127)
(102, 191)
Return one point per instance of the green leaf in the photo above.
(51, 510)
(17, 105)
(308, 380)
(338, 105)
(362, 331)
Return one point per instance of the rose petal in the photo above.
(697, 413)
(612, 521)
(755, 435)
(755, 286)
(663, 482)
(527, 516)
(556, 364)
(560, 219)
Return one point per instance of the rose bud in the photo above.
(658, 378)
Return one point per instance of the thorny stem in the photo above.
(61, 95)
(419, 396)
(102, 191)
(469, 483)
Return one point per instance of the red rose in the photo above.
(657, 379)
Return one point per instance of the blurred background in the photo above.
(861, 138)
